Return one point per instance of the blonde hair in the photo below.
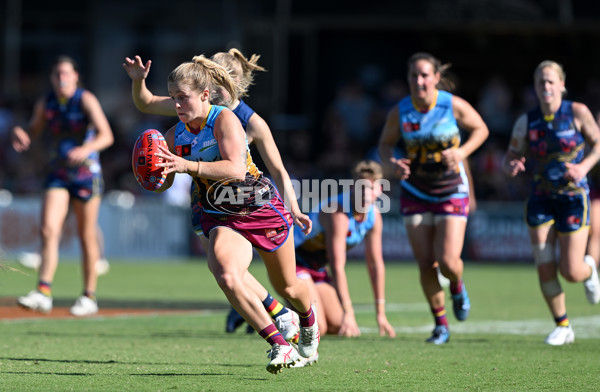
(201, 74)
(445, 83)
(240, 68)
(368, 169)
(558, 68)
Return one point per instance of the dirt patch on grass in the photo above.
(109, 308)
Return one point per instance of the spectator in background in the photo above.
(551, 139)
(77, 130)
(349, 126)
(435, 189)
(495, 106)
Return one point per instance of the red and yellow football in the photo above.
(144, 161)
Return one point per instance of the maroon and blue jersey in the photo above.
(68, 127)
(243, 113)
(554, 141)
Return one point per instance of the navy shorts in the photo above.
(568, 212)
(81, 183)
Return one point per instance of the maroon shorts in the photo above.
(456, 206)
(317, 276)
(266, 227)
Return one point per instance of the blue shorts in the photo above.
(81, 183)
(568, 212)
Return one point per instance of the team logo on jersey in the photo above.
(574, 221)
(567, 146)
(411, 127)
(533, 135)
(209, 143)
(183, 150)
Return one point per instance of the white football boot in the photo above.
(560, 336)
(84, 306)
(288, 325)
(592, 284)
(282, 357)
(36, 301)
(308, 340)
(307, 361)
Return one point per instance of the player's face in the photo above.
(366, 192)
(189, 104)
(549, 86)
(422, 79)
(64, 79)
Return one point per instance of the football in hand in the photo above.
(144, 161)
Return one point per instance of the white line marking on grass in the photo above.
(585, 327)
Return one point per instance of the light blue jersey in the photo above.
(311, 248)
(426, 135)
(203, 146)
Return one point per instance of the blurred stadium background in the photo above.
(334, 69)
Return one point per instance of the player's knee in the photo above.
(551, 288)
(49, 233)
(571, 275)
(543, 254)
(226, 281)
(325, 328)
(288, 291)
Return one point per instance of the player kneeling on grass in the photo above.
(210, 145)
(339, 224)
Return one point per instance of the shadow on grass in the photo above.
(86, 361)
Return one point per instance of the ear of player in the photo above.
(143, 160)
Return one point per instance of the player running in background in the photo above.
(242, 71)
(33, 260)
(209, 143)
(593, 176)
(435, 189)
(347, 220)
(77, 130)
(551, 139)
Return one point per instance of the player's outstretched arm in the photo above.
(143, 98)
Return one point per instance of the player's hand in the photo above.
(77, 155)
(574, 172)
(349, 328)
(451, 157)
(171, 162)
(303, 222)
(401, 167)
(385, 328)
(514, 166)
(20, 139)
(136, 69)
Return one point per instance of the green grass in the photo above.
(500, 347)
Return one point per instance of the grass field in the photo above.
(500, 347)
